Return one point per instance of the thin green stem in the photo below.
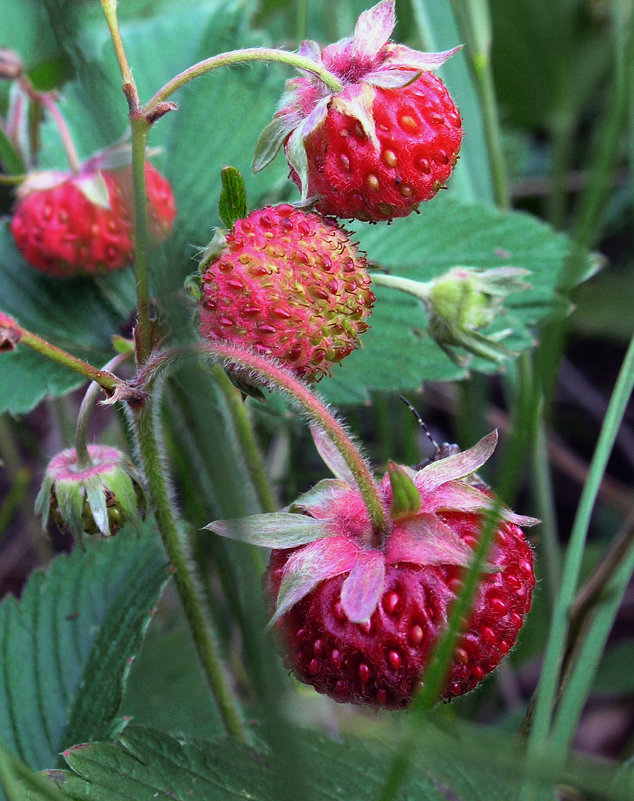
(129, 87)
(301, 25)
(233, 58)
(245, 434)
(555, 650)
(140, 130)
(418, 289)
(542, 490)
(485, 86)
(12, 334)
(85, 411)
(276, 377)
(561, 131)
(475, 24)
(175, 548)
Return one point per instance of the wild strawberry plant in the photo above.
(361, 244)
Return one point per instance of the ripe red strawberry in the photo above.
(358, 621)
(388, 141)
(68, 224)
(289, 284)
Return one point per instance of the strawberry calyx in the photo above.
(96, 497)
(362, 63)
(461, 303)
(330, 528)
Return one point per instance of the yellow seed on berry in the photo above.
(373, 182)
(389, 157)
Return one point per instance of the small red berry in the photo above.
(378, 601)
(66, 224)
(380, 660)
(289, 284)
(384, 143)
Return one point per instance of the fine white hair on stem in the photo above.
(159, 365)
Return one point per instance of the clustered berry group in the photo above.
(357, 612)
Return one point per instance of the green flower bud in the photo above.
(467, 299)
(94, 498)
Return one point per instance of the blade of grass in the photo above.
(437, 30)
(474, 20)
(553, 660)
(582, 673)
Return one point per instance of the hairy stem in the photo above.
(240, 57)
(129, 87)
(244, 432)
(12, 334)
(175, 547)
(268, 373)
(140, 129)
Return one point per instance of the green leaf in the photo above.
(146, 765)
(68, 643)
(166, 687)
(10, 159)
(233, 198)
(77, 314)
(397, 353)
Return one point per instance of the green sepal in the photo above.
(70, 505)
(42, 506)
(233, 198)
(298, 160)
(274, 530)
(270, 141)
(193, 285)
(405, 496)
(121, 484)
(94, 188)
(213, 250)
(96, 498)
